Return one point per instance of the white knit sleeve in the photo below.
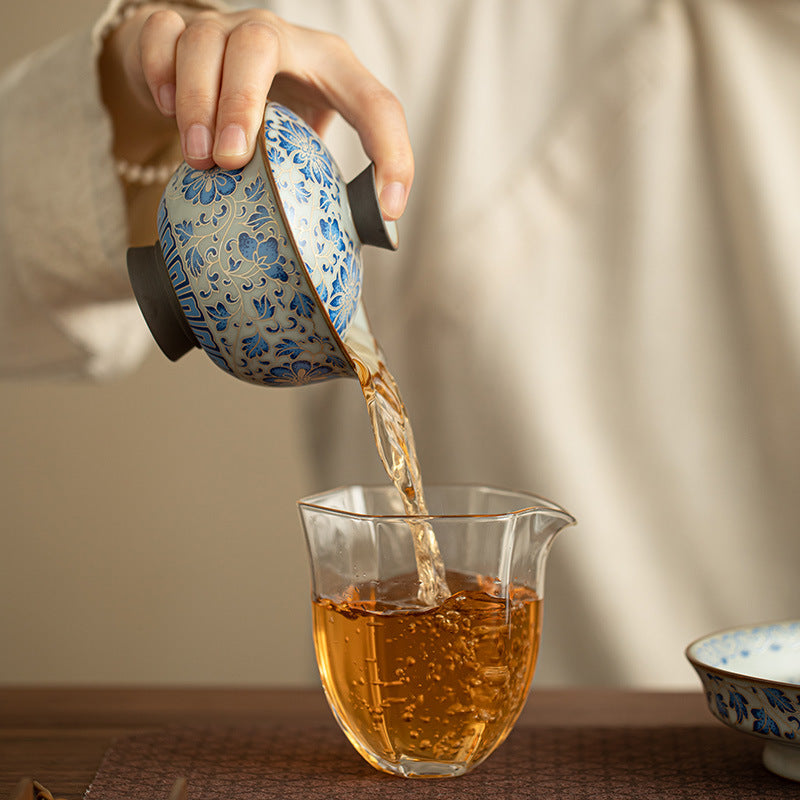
(65, 302)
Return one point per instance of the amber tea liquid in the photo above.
(442, 684)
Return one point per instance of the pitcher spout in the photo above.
(529, 537)
(552, 520)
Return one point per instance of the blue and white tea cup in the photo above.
(261, 266)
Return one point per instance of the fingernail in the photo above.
(231, 142)
(166, 98)
(392, 199)
(198, 142)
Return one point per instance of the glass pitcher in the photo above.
(427, 691)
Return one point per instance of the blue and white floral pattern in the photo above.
(262, 281)
(751, 677)
(208, 186)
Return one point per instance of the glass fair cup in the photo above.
(427, 691)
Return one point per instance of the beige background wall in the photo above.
(149, 532)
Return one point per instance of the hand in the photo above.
(211, 73)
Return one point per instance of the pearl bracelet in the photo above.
(145, 175)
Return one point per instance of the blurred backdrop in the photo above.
(150, 532)
(136, 549)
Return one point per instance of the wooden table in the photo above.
(59, 736)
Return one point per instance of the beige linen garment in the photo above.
(596, 298)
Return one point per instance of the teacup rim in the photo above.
(699, 664)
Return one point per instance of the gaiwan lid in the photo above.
(327, 218)
(261, 266)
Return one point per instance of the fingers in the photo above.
(250, 63)
(198, 64)
(157, 44)
(213, 72)
(225, 66)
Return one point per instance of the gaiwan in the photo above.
(261, 266)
